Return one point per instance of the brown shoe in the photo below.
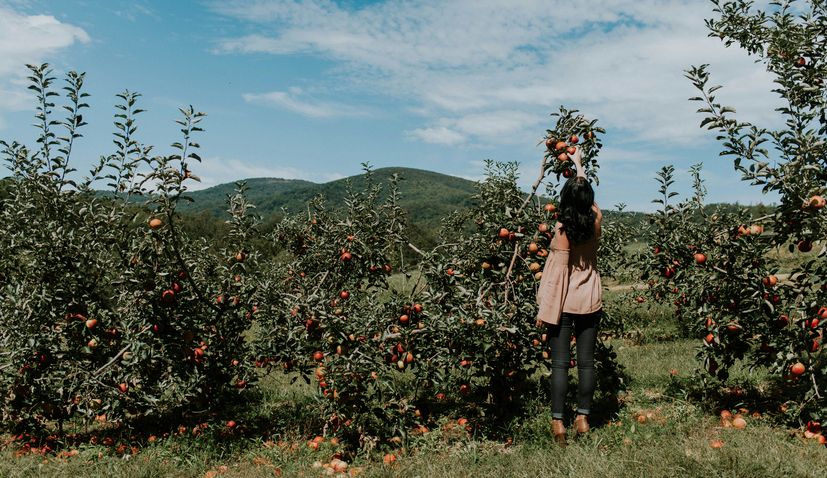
(581, 424)
(558, 429)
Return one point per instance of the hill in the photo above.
(426, 196)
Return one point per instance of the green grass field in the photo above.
(673, 440)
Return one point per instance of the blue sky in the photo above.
(312, 88)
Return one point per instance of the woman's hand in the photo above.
(577, 159)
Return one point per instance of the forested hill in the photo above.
(425, 195)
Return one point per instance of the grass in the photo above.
(673, 440)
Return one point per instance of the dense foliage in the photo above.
(107, 312)
(725, 286)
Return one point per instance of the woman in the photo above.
(570, 297)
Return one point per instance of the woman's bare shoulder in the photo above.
(560, 241)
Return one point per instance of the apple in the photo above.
(700, 258)
(560, 146)
(344, 294)
(155, 223)
(345, 256)
(567, 173)
(417, 308)
(709, 338)
(770, 281)
(464, 389)
(550, 207)
(571, 150)
(91, 323)
(240, 256)
(503, 233)
(404, 319)
(817, 202)
(797, 369)
(805, 245)
(123, 387)
(231, 424)
(318, 356)
(574, 139)
(668, 272)
(563, 157)
(543, 227)
(550, 143)
(177, 287)
(822, 312)
(801, 62)
(168, 296)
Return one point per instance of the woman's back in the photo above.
(585, 290)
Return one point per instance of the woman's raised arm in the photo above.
(577, 159)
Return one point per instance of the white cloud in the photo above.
(492, 70)
(437, 135)
(28, 39)
(296, 101)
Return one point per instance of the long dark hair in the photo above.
(576, 214)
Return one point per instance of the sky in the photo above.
(311, 89)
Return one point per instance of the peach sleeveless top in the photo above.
(570, 281)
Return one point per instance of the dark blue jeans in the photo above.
(585, 328)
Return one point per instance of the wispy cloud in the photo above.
(297, 101)
(437, 135)
(28, 39)
(490, 69)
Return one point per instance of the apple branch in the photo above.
(508, 272)
(536, 184)
(416, 249)
(319, 284)
(118, 355)
(391, 336)
(527, 200)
